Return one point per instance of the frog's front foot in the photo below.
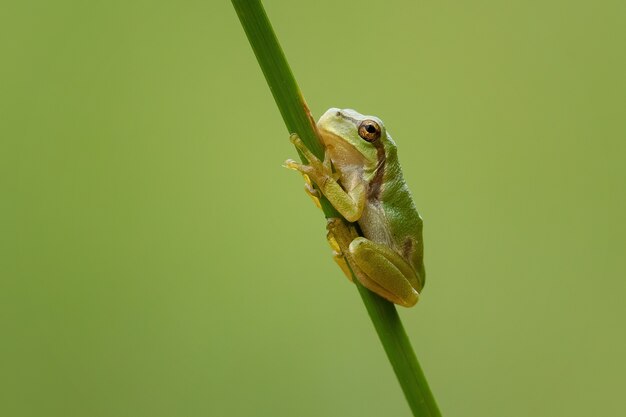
(315, 169)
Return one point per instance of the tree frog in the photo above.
(361, 177)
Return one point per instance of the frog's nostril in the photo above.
(338, 114)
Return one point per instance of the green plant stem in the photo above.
(400, 353)
(298, 119)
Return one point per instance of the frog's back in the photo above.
(390, 216)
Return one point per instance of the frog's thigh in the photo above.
(386, 269)
(340, 235)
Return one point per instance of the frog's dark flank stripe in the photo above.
(377, 182)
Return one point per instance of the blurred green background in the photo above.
(157, 260)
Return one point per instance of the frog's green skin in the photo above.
(367, 187)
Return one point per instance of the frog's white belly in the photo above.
(375, 226)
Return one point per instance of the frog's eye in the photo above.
(369, 130)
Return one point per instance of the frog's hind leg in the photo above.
(338, 256)
(311, 191)
(373, 264)
(384, 268)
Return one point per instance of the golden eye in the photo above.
(369, 130)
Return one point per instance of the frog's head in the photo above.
(352, 139)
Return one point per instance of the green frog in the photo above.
(361, 177)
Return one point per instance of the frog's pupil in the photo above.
(370, 129)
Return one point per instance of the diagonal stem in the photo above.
(298, 119)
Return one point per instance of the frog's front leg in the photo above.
(377, 267)
(349, 204)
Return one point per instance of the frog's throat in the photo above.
(346, 156)
(342, 152)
